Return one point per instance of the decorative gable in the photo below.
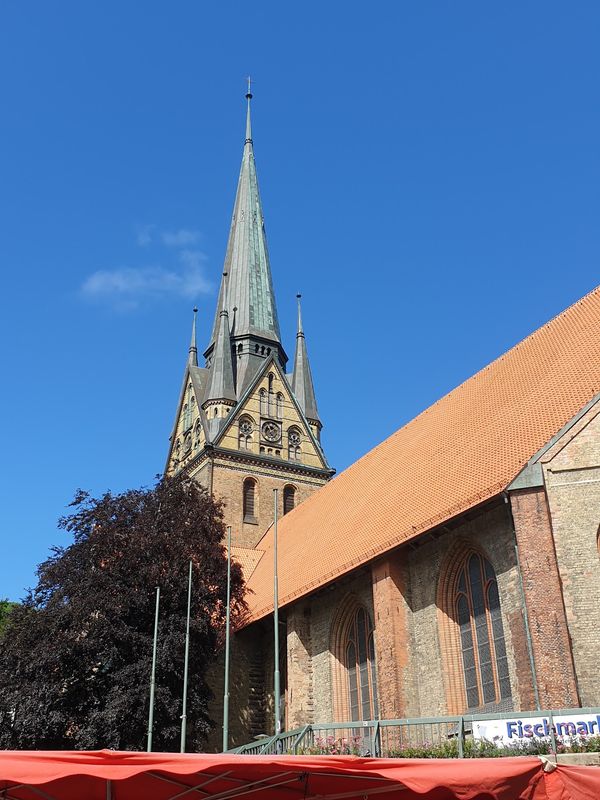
(267, 421)
(188, 436)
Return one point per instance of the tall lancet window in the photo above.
(354, 651)
(481, 632)
(271, 396)
(263, 403)
(187, 409)
(279, 405)
(249, 500)
(472, 630)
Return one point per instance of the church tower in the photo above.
(243, 425)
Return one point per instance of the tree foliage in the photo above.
(6, 606)
(76, 655)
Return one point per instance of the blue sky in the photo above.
(430, 177)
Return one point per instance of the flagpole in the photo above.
(153, 673)
(186, 662)
(276, 679)
(227, 618)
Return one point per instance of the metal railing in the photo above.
(390, 737)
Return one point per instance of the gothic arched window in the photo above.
(477, 612)
(249, 500)
(357, 656)
(472, 633)
(289, 499)
(294, 444)
(271, 395)
(279, 404)
(245, 431)
(197, 435)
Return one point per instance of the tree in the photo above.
(76, 656)
(6, 606)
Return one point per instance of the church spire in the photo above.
(249, 285)
(302, 382)
(193, 351)
(220, 382)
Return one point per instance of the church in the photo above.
(452, 569)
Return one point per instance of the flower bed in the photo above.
(472, 748)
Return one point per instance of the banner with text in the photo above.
(524, 729)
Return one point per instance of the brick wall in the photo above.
(393, 637)
(543, 596)
(227, 483)
(572, 477)
(436, 673)
(247, 690)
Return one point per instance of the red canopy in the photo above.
(110, 775)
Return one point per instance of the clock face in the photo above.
(271, 432)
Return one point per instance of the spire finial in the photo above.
(248, 121)
(193, 351)
(300, 331)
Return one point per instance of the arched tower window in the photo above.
(249, 500)
(197, 435)
(279, 405)
(187, 409)
(289, 499)
(471, 606)
(263, 403)
(271, 395)
(245, 433)
(354, 652)
(294, 444)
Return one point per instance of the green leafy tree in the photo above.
(76, 657)
(6, 606)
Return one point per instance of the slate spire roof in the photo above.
(249, 285)
(220, 383)
(302, 382)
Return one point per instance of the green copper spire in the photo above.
(302, 382)
(220, 380)
(249, 286)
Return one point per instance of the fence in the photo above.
(396, 736)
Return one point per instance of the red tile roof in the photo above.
(459, 452)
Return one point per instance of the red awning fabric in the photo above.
(110, 775)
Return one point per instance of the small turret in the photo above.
(302, 382)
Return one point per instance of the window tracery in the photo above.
(294, 444)
(245, 432)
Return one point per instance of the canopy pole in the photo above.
(227, 644)
(153, 674)
(276, 678)
(186, 662)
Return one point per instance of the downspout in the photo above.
(536, 693)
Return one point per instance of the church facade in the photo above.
(452, 569)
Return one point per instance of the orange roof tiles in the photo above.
(246, 558)
(462, 450)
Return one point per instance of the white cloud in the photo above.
(184, 237)
(126, 288)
